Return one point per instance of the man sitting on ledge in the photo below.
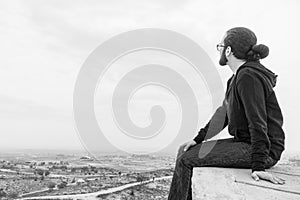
(251, 111)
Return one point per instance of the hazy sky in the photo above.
(44, 43)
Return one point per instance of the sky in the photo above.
(43, 45)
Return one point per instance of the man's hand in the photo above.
(256, 175)
(189, 144)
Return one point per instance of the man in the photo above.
(251, 111)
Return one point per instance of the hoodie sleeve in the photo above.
(215, 125)
(252, 95)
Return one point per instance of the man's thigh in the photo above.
(217, 153)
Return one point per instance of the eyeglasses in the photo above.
(219, 46)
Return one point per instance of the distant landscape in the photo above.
(33, 174)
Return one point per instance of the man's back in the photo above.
(254, 115)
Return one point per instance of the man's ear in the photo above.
(228, 51)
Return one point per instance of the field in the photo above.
(48, 174)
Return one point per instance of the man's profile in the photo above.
(251, 112)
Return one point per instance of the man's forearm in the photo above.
(215, 125)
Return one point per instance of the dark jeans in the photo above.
(220, 153)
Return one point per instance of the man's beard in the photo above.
(223, 60)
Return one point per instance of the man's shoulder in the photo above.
(247, 73)
(253, 69)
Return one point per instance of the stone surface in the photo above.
(225, 183)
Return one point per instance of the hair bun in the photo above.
(261, 49)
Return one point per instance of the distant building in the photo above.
(80, 181)
(2, 176)
(86, 158)
(41, 170)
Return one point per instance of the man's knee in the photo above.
(183, 158)
(179, 157)
(180, 149)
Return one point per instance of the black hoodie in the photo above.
(252, 113)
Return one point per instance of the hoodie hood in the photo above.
(264, 73)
